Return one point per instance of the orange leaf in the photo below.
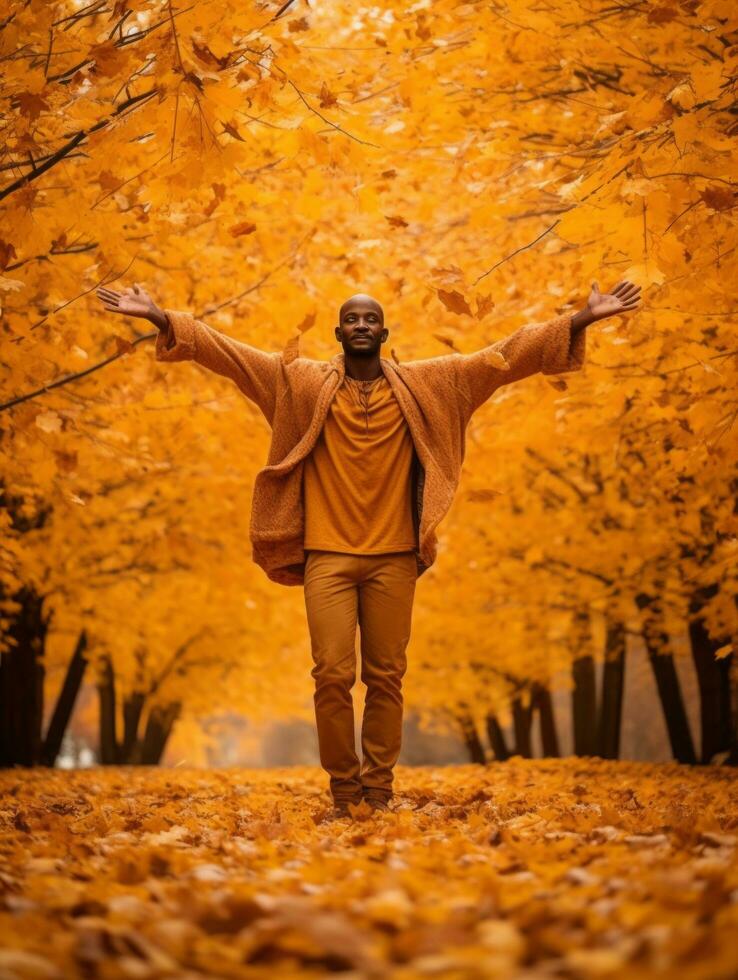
(300, 24)
(484, 305)
(243, 228)
(454, 301)
(483, 494)
(122, 345)
(327, 98)
(30, 105)
(306, 323)
(719, 198)
(448, 341)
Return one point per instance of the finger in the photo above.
(107, 293)
(135, 287)
(595, 286)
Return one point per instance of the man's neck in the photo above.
(362, 368)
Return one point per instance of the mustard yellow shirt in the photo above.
(357, 487)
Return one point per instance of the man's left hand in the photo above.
(623, 299)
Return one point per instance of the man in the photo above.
(364, 462)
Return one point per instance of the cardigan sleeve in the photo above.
(547, 347)
(254, 371)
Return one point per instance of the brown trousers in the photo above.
(377, 591)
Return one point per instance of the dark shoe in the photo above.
(377, 803)
(342, 810)
(337, 813)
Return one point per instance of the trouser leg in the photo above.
(331, 602)
(386, 595)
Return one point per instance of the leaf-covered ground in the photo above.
(571, 868)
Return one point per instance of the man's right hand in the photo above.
(133, 301)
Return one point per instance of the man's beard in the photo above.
(366, 350)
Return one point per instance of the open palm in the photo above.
(624, 297)
(131, 301)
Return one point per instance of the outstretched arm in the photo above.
(182, 337)
(551, 347)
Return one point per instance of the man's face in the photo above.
(361, 328)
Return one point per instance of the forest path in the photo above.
(572, 867)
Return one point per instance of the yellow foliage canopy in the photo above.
(474, 171)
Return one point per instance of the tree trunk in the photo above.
(547, 721)
(584, 695)
(732, 759)
(65, 702)
(132, 708)
(109, 755)
(584, 706)
(159, 727)
(497, 738)
(471, 739)
(522, 720)
(713, 679)
(667, 680)
(611, 703)
(22, 682)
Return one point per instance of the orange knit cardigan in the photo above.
(437, 396)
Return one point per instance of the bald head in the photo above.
(361, 302)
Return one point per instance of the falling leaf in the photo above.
(307, 322)
(448, 341)
(484, 305)
(123, 346)
(483, 494)
(242, 228)
(327, 98)
(449, 273)
(219, 191)
(453, 301)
